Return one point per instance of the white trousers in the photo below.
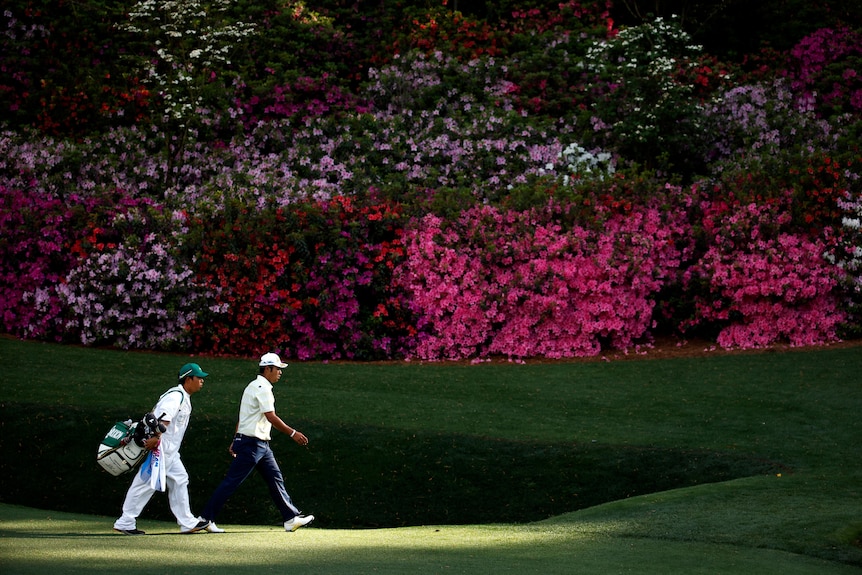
(177, 486)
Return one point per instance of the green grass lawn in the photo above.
(784, 426)
(44, 542)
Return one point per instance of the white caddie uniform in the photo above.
(175, 406)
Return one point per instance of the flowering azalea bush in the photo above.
(45, 241)
(134, 296)
(311, 280)
(847, 255)
(763, 285)
(34, 258)
(523, 284)
(826, 67)
(539, 184)
(121, 158)
(763, 121)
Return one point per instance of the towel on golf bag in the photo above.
(153, 470)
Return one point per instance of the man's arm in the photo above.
(280, 425)
(154, 441)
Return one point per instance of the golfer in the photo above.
(250, 447)
(173, 410)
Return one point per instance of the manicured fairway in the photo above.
(798, 411)
(33, 542)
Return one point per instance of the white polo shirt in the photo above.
(257, 399)
(175, 406)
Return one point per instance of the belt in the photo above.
(251, 437)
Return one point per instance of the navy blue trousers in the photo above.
(251, 454)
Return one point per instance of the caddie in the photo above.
(163, 469)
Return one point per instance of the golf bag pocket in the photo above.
(118, 452)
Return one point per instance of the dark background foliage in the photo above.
(67, 64)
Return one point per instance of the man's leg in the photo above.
(178, 493)
(243, 464)
(268, 468)
(137, 497)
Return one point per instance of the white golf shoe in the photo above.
(297, 522)
(213, 528)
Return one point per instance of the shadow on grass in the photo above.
(355, 477)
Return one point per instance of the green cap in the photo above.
(192, 369)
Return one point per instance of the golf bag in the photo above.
(123, 449)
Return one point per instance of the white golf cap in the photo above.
(271, 359)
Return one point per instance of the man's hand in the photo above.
(152, 442)
(299, 437)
